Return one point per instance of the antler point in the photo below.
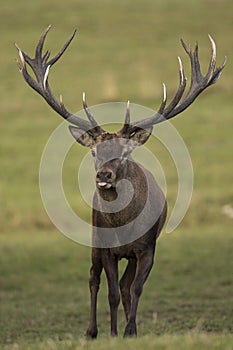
(20, 55)
(49, 27)
(84, 98)
(164, 92)
(127, 115)
(212, 42)
(187, 49)
(210, 37)
(46, 76)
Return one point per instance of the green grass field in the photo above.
(123, 50)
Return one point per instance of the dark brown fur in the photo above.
(139, 252)
(115, 234)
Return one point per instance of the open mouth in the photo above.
(104, 185)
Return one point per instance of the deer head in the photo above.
(111, 150)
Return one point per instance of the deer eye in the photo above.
(93, 153)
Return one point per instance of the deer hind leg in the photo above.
(94, 283)
(110, 264)
(144, 265)
(125, 284)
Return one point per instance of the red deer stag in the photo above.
(116, 233)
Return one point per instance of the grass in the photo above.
(124, 50)
(190, 341)
(44, 286)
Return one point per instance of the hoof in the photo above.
(130, 330)
(114, 334)
(91, 333)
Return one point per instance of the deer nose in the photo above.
(105, 178)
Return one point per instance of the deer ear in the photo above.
(81, 136)
(140, 137)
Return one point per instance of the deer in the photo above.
(116, 232)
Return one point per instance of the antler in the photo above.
(41, 66)
(124, 131)
(197, 85)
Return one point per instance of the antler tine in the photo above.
(90, 116)
(46, 77)
(60, 53)
(180, 90)
(163, 112)
(21, 56)
(155, 119)
(212, 60)
(23, 70)
(217, 73)
(124, 131)
(164, 101)
(197, 85)
(213, 74)
(40, 44)
(41, 66)
(127, 114)
(195, 66)
(198, 81)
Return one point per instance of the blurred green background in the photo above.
(123, 50)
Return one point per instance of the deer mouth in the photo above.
(105, 178)
(104, 185)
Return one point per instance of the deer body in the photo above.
(118, 240)
(126, 220)
(140, 252)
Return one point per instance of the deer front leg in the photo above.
(94, 283)
(110, 264)
(144, 265)
(125, 284)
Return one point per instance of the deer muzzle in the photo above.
(105, 178)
